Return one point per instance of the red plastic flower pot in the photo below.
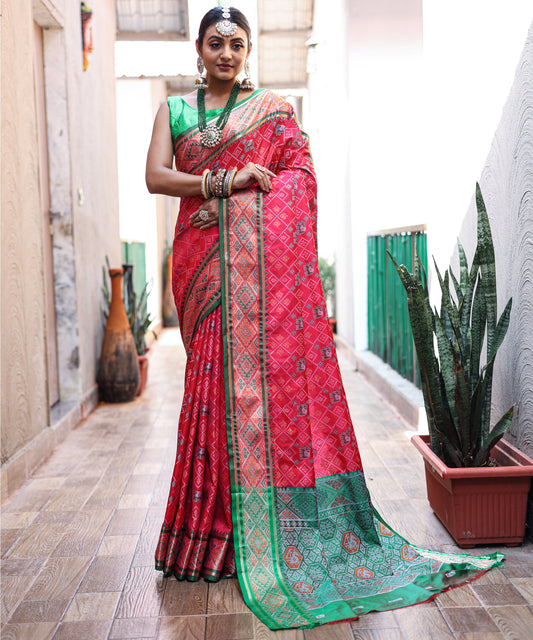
(480, 505)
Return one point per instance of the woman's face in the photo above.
(224, 56)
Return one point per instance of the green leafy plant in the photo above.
(457, 387)
(326, 268)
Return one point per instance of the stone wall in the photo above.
(82, 158)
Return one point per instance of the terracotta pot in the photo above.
(170, 315)
(143, 368)
(118, 376)
(480, 505)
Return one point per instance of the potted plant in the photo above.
(326, 269)
(138, 317)
(477, 484)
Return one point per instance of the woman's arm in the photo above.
(160, 176)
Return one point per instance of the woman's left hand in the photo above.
(206, 216)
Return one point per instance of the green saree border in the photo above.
(231, 425)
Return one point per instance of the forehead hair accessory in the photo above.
(225, 27)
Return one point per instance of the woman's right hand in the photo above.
(252, 173)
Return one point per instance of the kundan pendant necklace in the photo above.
(212, 135)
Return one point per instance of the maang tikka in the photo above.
(225, 27)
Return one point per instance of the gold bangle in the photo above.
(230, 188)
(202, 188)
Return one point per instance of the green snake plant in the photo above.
(457, 387)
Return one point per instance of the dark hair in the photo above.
(215, 15)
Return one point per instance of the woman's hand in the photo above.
(252, 173)
(206, 216)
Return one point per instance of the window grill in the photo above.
(152, 20)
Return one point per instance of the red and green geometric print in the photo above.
(309, 546)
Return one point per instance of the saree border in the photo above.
(300, 617)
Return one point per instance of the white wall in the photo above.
(427, 82)
(137, 207)
(507, 186)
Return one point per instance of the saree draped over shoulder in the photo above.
(268, 479)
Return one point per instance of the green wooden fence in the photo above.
(389, 331)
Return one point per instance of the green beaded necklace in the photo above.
(212, 135)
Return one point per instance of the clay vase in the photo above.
(118, 376)
(170, 315)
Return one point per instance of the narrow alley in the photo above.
(78, 538)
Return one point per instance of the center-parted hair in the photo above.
(215, 15)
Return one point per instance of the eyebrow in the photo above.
(219, 39)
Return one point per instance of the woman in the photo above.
(268, 481)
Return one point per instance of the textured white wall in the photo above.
(23, 353)
(507, 186)
(82, 156)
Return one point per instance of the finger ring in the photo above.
(203, 214)
(258, 166)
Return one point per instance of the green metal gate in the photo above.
(389, 331)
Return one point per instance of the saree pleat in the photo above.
(268, 480)
(196, 537)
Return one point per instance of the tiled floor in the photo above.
(78, 538)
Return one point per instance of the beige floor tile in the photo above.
(42, 484)
(59, 579)
(338, 631)
(35, 611)
(460, 597)
(185, 598)
(479, 636)
(126, 522)
(498, 594)
(82, 631)
(143, 594)
(525, 587)
(414, 622)
(232, 626)
(22, 631)
(14, 589)
(92, 607)
(494, 576)
(106, 573)
(515, 622)
(464, 619)
(21, 566)
(68, 548)
(262, 632)
(37, 541)
(89, 525)
(380, 634)
(24, 501)
(225, 597)
(8, 538)
(118, 545)
(376, 620)
(190, 627)
(17, 520)
(136, 628)
(134, 501)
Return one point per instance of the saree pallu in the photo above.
(309, 546)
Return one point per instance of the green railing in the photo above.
(389, 331)
(135, 253)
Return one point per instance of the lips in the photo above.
(224, 67)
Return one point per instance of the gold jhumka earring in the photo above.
(201, 82)
(247, 84)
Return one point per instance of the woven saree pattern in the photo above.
(309, 546)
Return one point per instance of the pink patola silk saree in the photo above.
(268, 481)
